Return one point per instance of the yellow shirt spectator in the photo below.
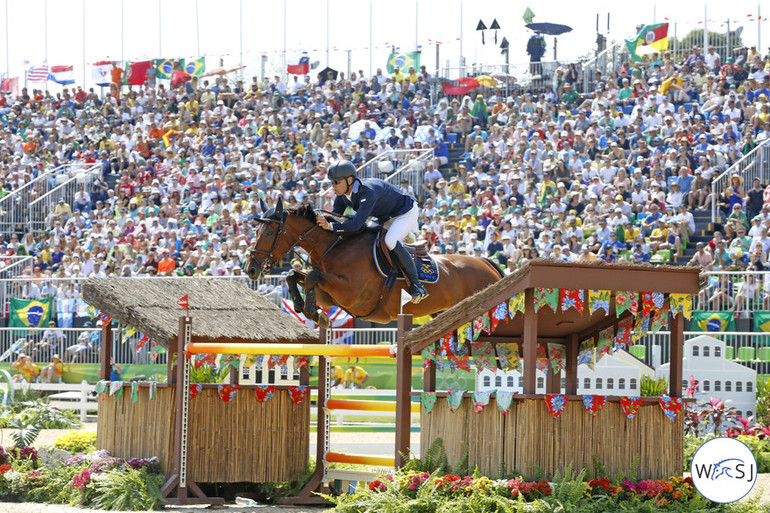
(355, 377)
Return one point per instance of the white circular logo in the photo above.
(649, 37)
(724, 470)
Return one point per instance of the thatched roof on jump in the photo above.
(558, 274)
(221, 310)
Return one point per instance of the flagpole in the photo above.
(283, 68)
(371, 69)
(160, 30)
(45, 16)
(198, 27)
(240, 36)
(84, 44)
(7, 46)
(327, 33)
(461, 38)
(416, 24)
(122, 30)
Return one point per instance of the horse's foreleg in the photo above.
(292, 279)
(312, 312)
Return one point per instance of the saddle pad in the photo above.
(427, 269)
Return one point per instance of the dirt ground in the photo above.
(47, 437)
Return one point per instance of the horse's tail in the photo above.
(497, 267)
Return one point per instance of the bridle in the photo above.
(269, 256)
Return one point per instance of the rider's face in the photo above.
(340, 186)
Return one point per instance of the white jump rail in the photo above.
(65, 396)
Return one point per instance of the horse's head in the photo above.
(275, 236)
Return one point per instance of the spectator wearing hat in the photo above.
(52, 373)
(26, 370)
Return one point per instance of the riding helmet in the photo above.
(341, 169)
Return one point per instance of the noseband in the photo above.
(269, 256)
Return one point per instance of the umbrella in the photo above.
(325, 73)
(486, 81)
(552, 29)
(504, 77)
(356, 128)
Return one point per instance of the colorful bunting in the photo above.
(464, 333)
(428, 356)
(116, 389)
(648, 305)
(233, 360)
(134, 391)
(516, 304)
(586, 353)
(546, 297)
(483, 356)
(681, 304)
(428, 400)
(541, 362)
(557, 357)
(481, 399)
(277, 360)
(556, 404)
(659, 320)
(301, 362)
(641, 325)
(604, 343)
(264, 392)
(626, 300)
(298, 393)
(594, 403)
(227, 392)
(195, 389)
(455, 399)
(671, 406)
(481, 324)
(153, 389)
(499, 314)
(630, 405)
(504, 400)
(599, 300)
(508, 356)
(101, 389)
(624, 331)
(572, 298)
(205, 359)
(142, 342)
(129, 331)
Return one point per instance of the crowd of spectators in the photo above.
(614, 173)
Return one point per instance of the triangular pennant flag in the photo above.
(277, 360)
(298, 393)
(481, 325)
(546, 297)
(483, 356)
(624, 331)
(541, 362)
(481, 399)
(428, 356)
(557, 357)
(130, 330)
(195, 389)
(659, 320)
(264, 392)
(455, 399)
(428, 400)
(626, 300)
(508, 356)
(205, 359)
(594, 403)
(227, 392)
(464, 333)
(630, 405)
(681, 304)
(516, 305)
(671, 406)
(504, 400)
(641, 324)
(604, 343)
(134, 391)
(648, 306)
(101, 389)
(586, 353)
(116, 387)
(142, 342)
(233, 360)
(500, 313)
(599, 300)
(556, 404)
(301, 362)
(153, 389)
(571, 298)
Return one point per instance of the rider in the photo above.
(372, 197)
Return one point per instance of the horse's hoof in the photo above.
(323, 320)
(299, 306)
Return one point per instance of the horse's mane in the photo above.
(309, 213)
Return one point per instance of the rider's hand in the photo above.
(323, 223)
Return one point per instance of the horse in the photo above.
(344, 273)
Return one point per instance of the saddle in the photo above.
(427, 269)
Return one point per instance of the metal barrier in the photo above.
(39, 211)
(605, 62)
(752, 165)
(14, 266)
(741, 292)
(395, 165)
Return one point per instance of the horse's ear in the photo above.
(279, 206)
(262, 205)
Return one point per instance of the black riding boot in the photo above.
(417, 290)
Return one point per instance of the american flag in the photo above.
(38, 73)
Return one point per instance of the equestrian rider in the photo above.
(372, 197)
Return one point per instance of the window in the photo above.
(598, 383)
(717, 352)
(749, 413)
(728, 386)
(695, 351)
(521, 382)
(621, 383)
(632, 384)
(706, 351)
(246, 373)
(587, 383)
(498, 381)
(610, 383)
(749, 387)
(284, 372)
(717, 386)
(684, 384)
(509, 382)
(258, 375)
(738, 386)
(540, 382)
(706, 386)
(487, 381)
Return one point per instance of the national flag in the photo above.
(301, 68)
(38, 73)
(10, 86)
(136, 72)
(30, 313)
(528, 16)
(459, 87)
(403, 61)
(338, 318)
(62, 75)
(713, 321)
(761, 320)
(100, 73)
(165, 68)
(65, 312)
(194, 68)
(655, 36)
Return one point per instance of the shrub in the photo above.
(133, 490)
(76, 442)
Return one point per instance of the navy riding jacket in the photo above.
(371, 197)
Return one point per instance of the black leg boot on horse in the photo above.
(416, 290)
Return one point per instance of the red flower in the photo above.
(5, 468)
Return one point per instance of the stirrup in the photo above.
(418, 293)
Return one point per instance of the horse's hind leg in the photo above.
(292, 279)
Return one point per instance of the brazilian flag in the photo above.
(165, 68)
(30, 313)
(194, 68)
(761, 320)
(402, 61)
(713, 321)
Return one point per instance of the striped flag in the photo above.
(38, 73)
(62, 75)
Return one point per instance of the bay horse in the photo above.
(344, 272)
